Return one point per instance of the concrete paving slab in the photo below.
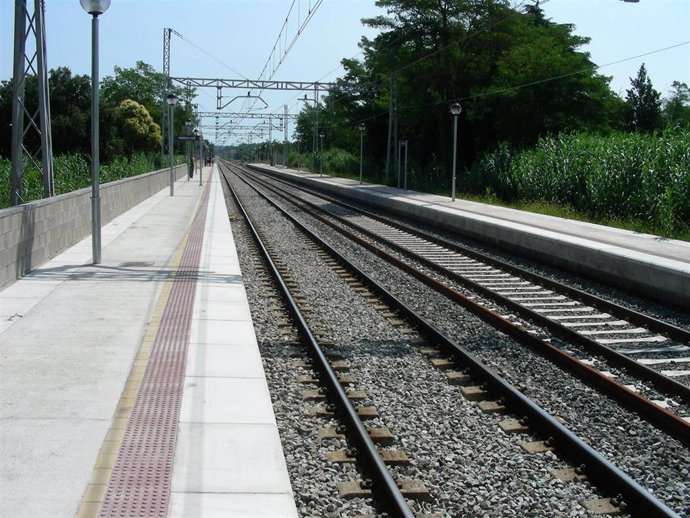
(222, 332)
(226, 400)
(231, 505)
(235, 361)
(220, 287)
(235, 310)
(223, 312)
(205, 452)
(45, 463)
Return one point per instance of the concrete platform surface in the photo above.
(69, 335)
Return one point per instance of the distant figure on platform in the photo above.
(191, 167)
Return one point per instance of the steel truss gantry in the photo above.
(250, 84)
(248, 115)
(253, 84)
(30, 25)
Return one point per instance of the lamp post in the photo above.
(405, 168)
(197, 134)
(400, 144)
(171, 99)
(361, 150)
(455, 109)
(321, 155)
(95, 8)
(298, 156)
(188, 127)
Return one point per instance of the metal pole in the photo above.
(201, 165)
(270, 139)
(361, 154)
(17, 110)
(95, 157)
(405, 182)
(44, 100)
(285, 137)
(455, 153)
(321, 157)
(171, 107)
(390, 126)
(398, 160)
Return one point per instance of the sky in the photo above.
(233, 39)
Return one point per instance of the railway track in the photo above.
(491, 386)
(568, 322)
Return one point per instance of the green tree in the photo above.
(70, 106)
(518, 76)
(136, 127)
(676, 109)
(144, 85)
(643, 103)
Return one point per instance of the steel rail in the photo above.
(385, 487)
(667, 421)
(640, 502)
(660, 381)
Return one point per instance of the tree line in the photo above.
(130, 111)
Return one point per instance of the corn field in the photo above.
(624, 176)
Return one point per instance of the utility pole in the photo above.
(391, 102)
(38, 121)
(270, 141)
(285, 138)
(166, 89)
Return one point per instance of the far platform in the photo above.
(641, 263)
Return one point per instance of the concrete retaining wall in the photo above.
(35, 232)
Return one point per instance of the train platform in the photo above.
(649, 265)
(135, 387)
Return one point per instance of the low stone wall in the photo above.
(35, 232)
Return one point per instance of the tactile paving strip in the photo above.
(140, 482)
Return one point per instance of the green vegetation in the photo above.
(73, 172)
(131, 103)
(640, 179)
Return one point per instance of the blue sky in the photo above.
(241, 33)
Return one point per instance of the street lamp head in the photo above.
(171, 99)
(321, 135)
(95, 7)
(455, 108)
(361, 126)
